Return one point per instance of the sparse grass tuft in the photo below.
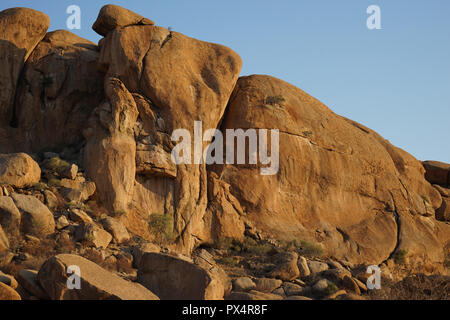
(447, 261)
(119, 213)
(54, 182)
(425, 199)
(252, 246)
(273, 100)
(39, 186)
(78, 205)
(248, 245)
(229, 261)
(306, 248)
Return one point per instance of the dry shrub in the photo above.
(415, 287)
(96, 210)
(93, 255)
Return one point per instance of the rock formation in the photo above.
(86, 141)
(21, 29)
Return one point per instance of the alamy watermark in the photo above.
(74, 20)
(374, 281)
(74, 279)
(235, 140)
(374, 20)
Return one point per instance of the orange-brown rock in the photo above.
(4, 242)
(59, 88)
(111, 149)
(19, 170)
(20, 31)
(339, 183)
(96, 283)
(113, 17)
(173, 278)
(185, 80)
(8, 293)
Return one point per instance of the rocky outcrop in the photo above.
(19, 170)
(111, 149)
(111, 111)
(21, 29)
(179, 80)
(172, 278)
(115, 17)
(58, 89)
(96, 282)
(339, 183)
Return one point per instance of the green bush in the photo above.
(161, 226)
(54, 182)
(331, 288)
(56, 164)
(400, 256)
(40, 186)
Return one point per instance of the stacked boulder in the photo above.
(438, 174)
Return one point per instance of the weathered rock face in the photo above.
(339, 183)
(58, 90)
(20, 31)
(96, 282)
(437, 172)
(19, 170)
(179, 80)
(173, 278)
(111, 149)
(443, 213)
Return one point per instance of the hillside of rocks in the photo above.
(87, 179)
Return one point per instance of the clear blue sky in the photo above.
(395, 80)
